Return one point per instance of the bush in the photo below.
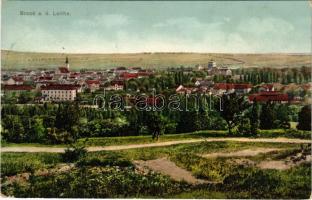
(74, 153)
(294, 183)
(293, 133)
(112, 182)
(106, 160)
(14, 163)
(304, 118)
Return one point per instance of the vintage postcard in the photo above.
(156, 99)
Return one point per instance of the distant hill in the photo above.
(29, 60)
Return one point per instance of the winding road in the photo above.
(156, 144)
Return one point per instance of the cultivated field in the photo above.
(19, 60)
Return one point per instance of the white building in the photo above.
(59, 92)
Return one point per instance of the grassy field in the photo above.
(107, 141)
(27, 60)
(111, 174)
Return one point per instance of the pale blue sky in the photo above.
(121, 27)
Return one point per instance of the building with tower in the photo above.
(64, 70)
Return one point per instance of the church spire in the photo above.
(67, 63)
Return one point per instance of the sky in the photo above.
(157, 26)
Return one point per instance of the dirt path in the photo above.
(166, 167)
(156, 144)
(242, 153)
(282, 164)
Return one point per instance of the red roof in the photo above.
(268, 96)
(90, 82)
(144, 73)
(45, 78)
(60, 87)
(267, 86)
(117, 82)
(242, 86)
(127, 75)
(17, 79)
(229, 86)
(63, 70)
(17, 87)
(223, 86)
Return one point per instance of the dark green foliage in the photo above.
(254, 183)
(254, 119)
(109, 159)
(267, 116)
(156, 123)
(231, 109)
(113, 182)
(74, 153)
(283, 116)
(304, 118)
(13, 163)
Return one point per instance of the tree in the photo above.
(13, 128)
(38, 129)
(155, 123)
(254, 118)
(304, 118)
(232, 108)
(282, 116)
(267, 116)
(189, 122)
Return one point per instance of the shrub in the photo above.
(106, 160)
(304, 118)
(13, 163)
(112, 182)
(74, 153)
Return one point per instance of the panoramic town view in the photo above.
(156, 99)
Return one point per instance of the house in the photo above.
(269, 96)
(115, 85)
(242, 88)
(59, 92)
(93, 85)
(15, 80)
(266, 88)
(239, 88)
(224, 71)
(144, 73)
(62, 70)
(74, 75)
(222, 88)
(211, 64)
(204, 83)
(184, 90)
(127, 75)
(17, 89)
(120, 70)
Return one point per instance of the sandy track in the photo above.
(156, 144)
(242, 153)
(169, 168)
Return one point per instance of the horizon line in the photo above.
(158, 52)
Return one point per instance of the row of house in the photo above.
(263, 93)
(63, 85)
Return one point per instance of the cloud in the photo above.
(117, 33)
(107, 20)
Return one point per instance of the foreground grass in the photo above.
(108, 141)
(13, 163)
(111, 174)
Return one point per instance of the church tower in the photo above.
(67, 63)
